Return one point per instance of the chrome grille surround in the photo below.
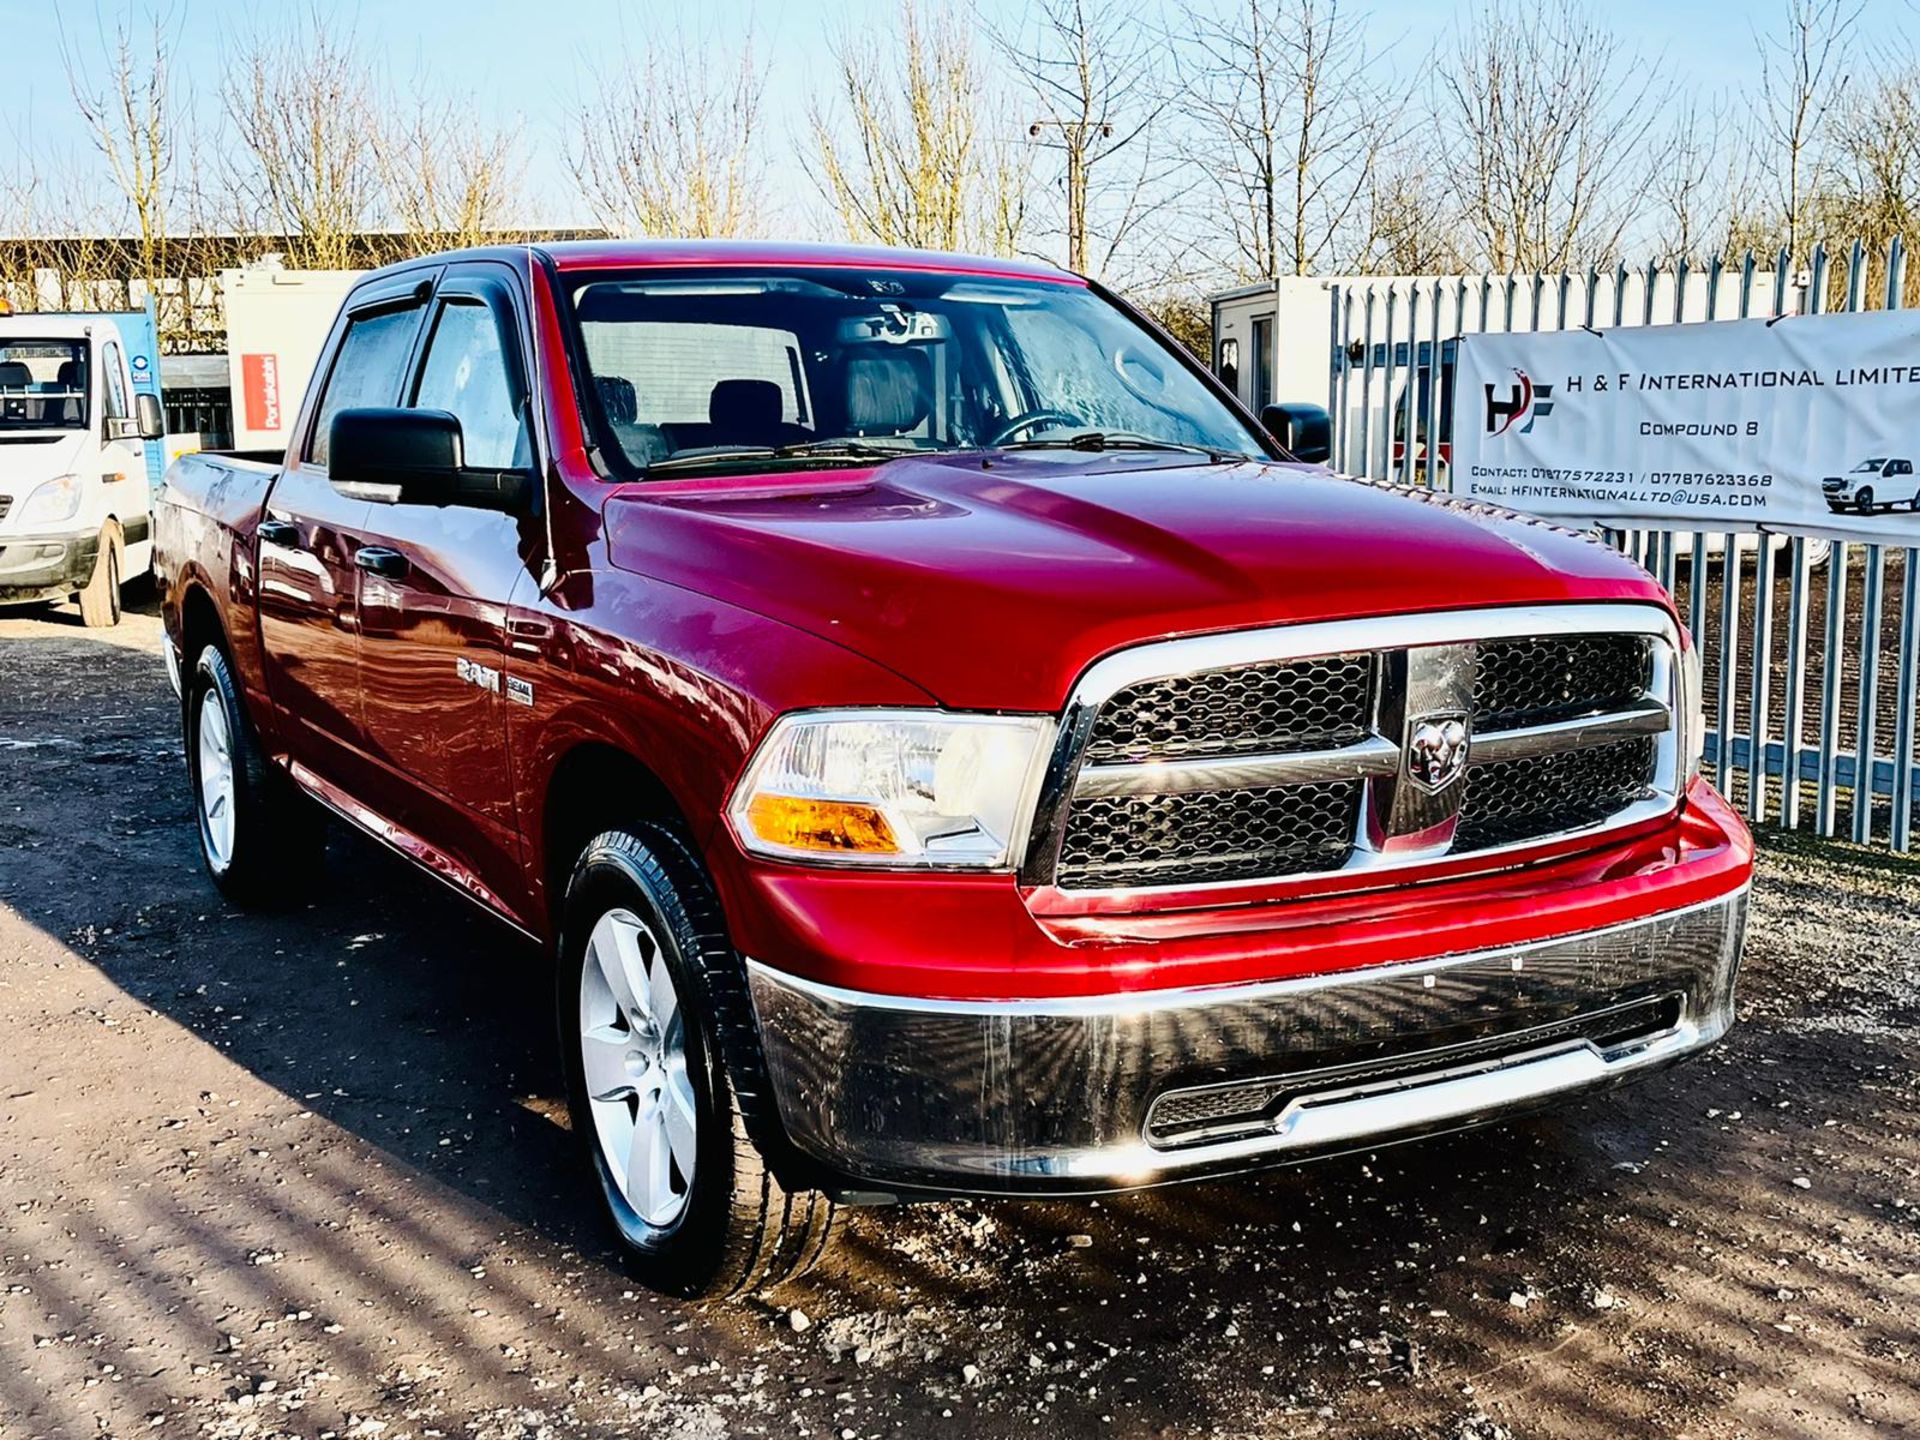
(1613, 760)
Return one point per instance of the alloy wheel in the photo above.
(633, 1053)
(217, 796)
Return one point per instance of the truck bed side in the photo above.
(204, 557)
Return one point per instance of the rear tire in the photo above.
(100, 600)
(260, 838)
(651, 999)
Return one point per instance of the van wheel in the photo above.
(100, 600)
(649, 990)
(261, 838)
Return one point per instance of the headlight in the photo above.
(920, 788)
(56, 500)
(1692, 717)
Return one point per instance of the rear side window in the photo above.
(466, 373)
(369, 369)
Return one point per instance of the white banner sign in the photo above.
(1807, 423)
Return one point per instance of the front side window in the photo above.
(43, 384)
(369, 368)
(466, 374)
(115, 382)
(695, 368)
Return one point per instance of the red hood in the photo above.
(994, 587)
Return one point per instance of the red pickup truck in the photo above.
(948, 746)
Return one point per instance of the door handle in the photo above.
(283, 533)
(378, 560)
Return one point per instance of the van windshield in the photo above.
(698, 368)
(43, 384)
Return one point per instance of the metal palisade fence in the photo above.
(1809, 644)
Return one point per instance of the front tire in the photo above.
(260, 838)
(649, 992)
(1865, 500)
(100, 600)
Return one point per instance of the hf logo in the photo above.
(1524, 403)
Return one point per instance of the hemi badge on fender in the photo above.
(519, 691)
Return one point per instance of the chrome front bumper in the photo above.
(1061, 1096)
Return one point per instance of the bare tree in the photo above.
(303, 102)
(61, 257)
(131, 115)
(1543, 116)
(906, 156)
(1294, 126)
(1412, 224)
(1800, 77)
(1095, 74)
(449, 179)
(1872, 189)
(1691, 182)
(668, 143)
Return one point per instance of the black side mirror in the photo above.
(418, 453)
(149, 418)
(1304, 431)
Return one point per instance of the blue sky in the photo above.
(525, 60)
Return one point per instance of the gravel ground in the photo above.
(308, 1175)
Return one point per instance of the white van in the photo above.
(75, 507)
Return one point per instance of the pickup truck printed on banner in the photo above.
(1810, 423)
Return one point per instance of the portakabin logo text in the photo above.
(1525, 402)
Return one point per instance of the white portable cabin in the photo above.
(277, 322)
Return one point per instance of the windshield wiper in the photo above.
(857, 449)
(807, 450)
(1097, 440)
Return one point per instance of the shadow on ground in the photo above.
(226, 1135)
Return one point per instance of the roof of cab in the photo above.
(51, 325)
(642, 254)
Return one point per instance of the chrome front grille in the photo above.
(1536, 796)
(1209, 836)
(1545, 678)
(1249, 709)
(1277, 754)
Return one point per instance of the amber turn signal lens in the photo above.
(841, 826)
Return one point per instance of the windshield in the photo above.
(1868, 467)
(693, 368)
(43, 384)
